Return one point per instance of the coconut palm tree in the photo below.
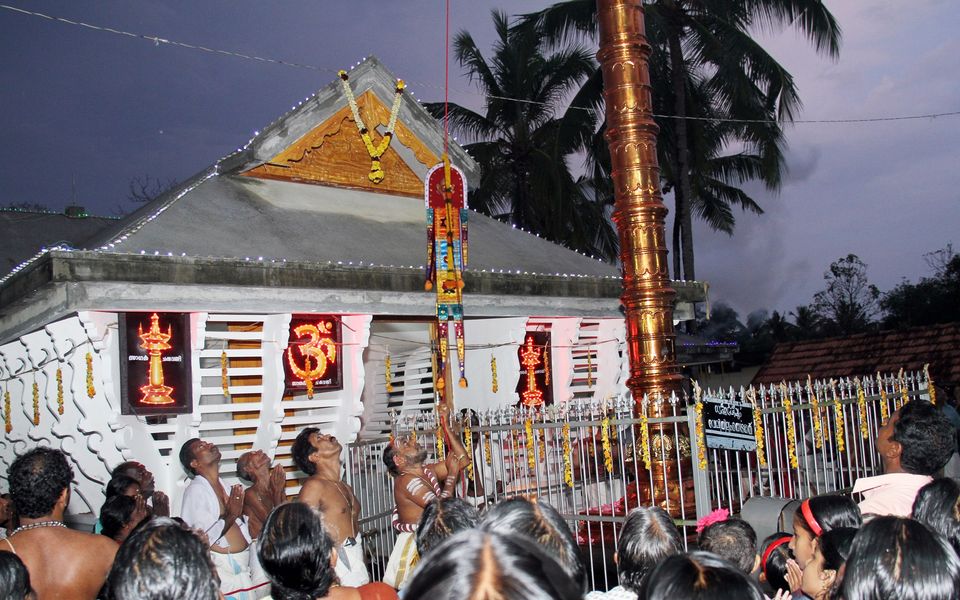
(705, 64)
(521, 142)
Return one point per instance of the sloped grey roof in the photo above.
(24, 233)
(238, 217)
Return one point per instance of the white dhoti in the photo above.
(257, 574)
(234, 572)
(350, 568)
(402, 560)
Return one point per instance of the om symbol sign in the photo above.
(323, 350)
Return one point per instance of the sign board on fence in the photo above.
(728, 425)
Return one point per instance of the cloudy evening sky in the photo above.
(100, 109)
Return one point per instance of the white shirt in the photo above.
(617, 593)
(890, 494)
(201, 510)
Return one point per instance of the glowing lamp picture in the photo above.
(155, 363)
(312, 359)
(533, 387)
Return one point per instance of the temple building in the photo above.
(283, 287)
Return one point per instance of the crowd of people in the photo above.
(901, 540)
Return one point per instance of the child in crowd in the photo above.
(773, 561)
(817, 516)
(821, 573)
(699, 576)
(734, 540)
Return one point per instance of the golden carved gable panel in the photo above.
(333, 154)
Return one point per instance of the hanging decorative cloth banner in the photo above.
(446, 204)
(376, 152)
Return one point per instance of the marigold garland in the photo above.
(701, 438)
(7, 418)
(468, 439)
(862, 410)
(605, 443)
(91, 391)
(839, 420)
(758, 429)
(528, 430)
(494, 386)
(441, 450)
(884, 408)
(387, 374)
(791, 428)
(904, 394)
(542, 444)
(488, 447)
(546, 365)
(376, 152)
(224, 377)
(567, 460)
(591, 450)
(59, 391)
(36, 403)
(931, 390)
(644, 436)
(817, 415)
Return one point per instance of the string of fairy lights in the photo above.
(161, 41)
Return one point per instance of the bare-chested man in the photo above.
(414, 486)
(63, 563)
(318, 456)
(208, 506)
(268, 489)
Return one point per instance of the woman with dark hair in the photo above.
(540, 522)
(648, 537)
(120, 515)
(489, 564)
(122, 485)
(893, 557)
(441, 519)
(774, 554)
(821, 574)
(938, 507)
(14, 578)
(162, 560)
(299, 557)
(817, 516)
(699, 576)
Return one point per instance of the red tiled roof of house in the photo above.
(868, 353)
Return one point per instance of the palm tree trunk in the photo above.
(677, 270)
(683, 157)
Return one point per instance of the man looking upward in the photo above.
(318, 456)
(215, 510)
(62, 563)
(158, 500)
(267, 492)
(415, 485)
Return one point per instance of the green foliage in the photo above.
(931, 300)
(850, 302)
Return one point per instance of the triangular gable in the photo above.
(333, 153)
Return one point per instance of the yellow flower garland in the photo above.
(224, 377)
(567, 460)
(862, 409)
(644, 436)
(758, 429)
(589, 367)
(546, 365)
(605, 443)
(36, 403)
(542, 444)
(376, 152)
(7, 418)
(488, 447)
(468, 438)
(441, 450)
(91, 391)
(904, 394)
(701, 438)
(59, 391)
(931, 390)
(528, 431)
(494, 386)
(387, 374)
(884, 408)
(791, 427)
(839, 419)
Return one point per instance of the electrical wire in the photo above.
(159, 40)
